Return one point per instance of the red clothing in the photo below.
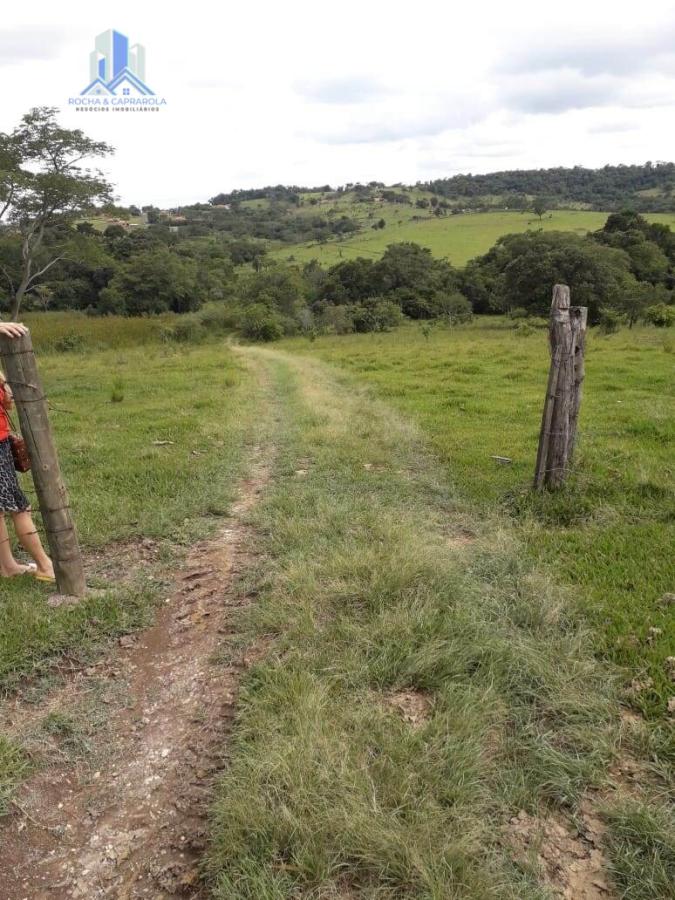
(4, 421)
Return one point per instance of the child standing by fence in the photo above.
(12, 498)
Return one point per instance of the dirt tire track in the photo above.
(136, 828)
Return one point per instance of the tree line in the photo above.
(52, 257)
(610, 187)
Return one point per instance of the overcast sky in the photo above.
(311, 93)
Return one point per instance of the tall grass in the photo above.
(478, 390)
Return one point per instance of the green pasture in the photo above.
(458, 238)
(477, 391)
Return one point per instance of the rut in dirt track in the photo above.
(136, 827)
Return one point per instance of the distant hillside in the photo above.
(650, 187)
(646, 188)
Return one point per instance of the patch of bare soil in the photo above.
(568, 857)
(135, 826)
(413, 706)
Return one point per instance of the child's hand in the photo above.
(13, 329)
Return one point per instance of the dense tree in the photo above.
(520, 270)
(152, 282)
(42, 186)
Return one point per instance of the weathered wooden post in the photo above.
(21, 372)
(567, 338)
(579, 316)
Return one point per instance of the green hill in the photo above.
(459, 238)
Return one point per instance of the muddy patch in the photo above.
(127, 818)
(567, 856)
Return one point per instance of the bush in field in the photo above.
(331, 319)
(186, 330)
(376, 314)
(458, 309)
(69, 343)
(260, 323)
(660, 315)
(218, 318)
(610, 321)
(152, 282)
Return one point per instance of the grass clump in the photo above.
(14, 765)
(642, 849)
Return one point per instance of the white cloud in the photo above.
(268, 92)
(25, 43)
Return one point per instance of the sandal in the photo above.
(38, 576)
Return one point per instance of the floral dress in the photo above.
(12, 498)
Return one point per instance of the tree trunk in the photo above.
(17, 301)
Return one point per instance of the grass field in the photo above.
(421, 686)
(428, 674)
(124, 484)
(478, 392)
(459, 238)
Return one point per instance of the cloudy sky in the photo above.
(313, 93)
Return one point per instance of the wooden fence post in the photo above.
(567, 337)
(22, 374)
(579, 316)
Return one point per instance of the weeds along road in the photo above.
(416, 711)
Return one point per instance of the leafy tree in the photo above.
(651, 247)
(375, 314)
(661, 315)
(539, 207)
(152, 282)
(114, 231)
(260, 323)
(276, 287)
(42, 186)
(635, 300)
(520, 270)
(352, 280)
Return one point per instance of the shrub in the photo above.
(189, 330)
(218, 318)
(376, 314)
(335, 319)
(70, 343)
(186, 330)
(458, 309)
(609, 321)
(258, 323)
(660, 315)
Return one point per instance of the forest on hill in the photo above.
(647, 187)
(86, 254)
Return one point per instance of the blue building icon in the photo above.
(115, 68)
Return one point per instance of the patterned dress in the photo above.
(12, 498)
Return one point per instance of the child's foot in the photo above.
(19, 569)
